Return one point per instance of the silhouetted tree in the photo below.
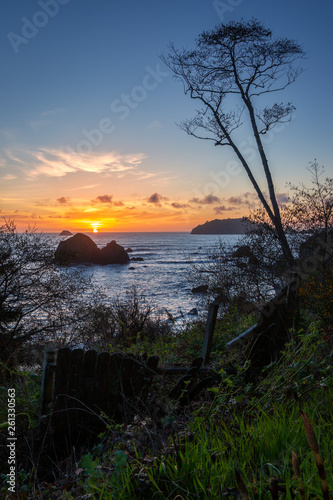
(37, 298)
(239, 59)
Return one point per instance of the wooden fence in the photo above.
(79, 386)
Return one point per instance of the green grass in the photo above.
(248, 428)
(238, 432)
(257, 444)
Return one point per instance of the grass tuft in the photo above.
(314, 446)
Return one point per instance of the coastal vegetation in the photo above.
(249, 432)
(237, 437)
(253, 434)
(256, 269)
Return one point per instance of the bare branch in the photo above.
(238, 59)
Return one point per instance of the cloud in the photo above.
(8, 177)
(105, 198)
(39, 124)
(89, 186)
(45, 118)
(142, 176)
(236, 200)
(222, 208)
(63, 200)
(57, 111)
(179, 205)
(207, 200)
(58, 163)
(154, 124)
(156, 199)
(43, 203)
(248, 199)
(282, 198)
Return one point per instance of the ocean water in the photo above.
(163, 277)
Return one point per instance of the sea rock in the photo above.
(200, 289)
(253, 260)
(193, 312)
(129, 250)
(137, 259)
(77, 250)
(113, 254)
(80, 249)
(317, 246)
(65, 233)
(243, 251)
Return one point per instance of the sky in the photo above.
(88, 123)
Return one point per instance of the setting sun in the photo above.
(95, 226)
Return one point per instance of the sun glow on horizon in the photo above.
(95, 226)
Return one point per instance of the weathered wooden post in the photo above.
(47, 380)
(209, 331)
(86, 391)
(102, 381)
(62, 373)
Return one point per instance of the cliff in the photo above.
(221, 226)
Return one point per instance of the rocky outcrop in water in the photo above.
(80, 249)
(113, 254)
(200, 289)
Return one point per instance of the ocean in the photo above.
(163, 277)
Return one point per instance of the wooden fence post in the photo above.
(209, 331)
(47, 379)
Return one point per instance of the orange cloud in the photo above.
(105, 198)
(63, 200)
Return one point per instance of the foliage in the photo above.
(126, 322)
(27, 386)
(249, 429)
(37, 298)
(237, 438)
(254, 269)
(317, 295)
(194, 452)
(312, 207)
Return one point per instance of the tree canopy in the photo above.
(243, 60)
